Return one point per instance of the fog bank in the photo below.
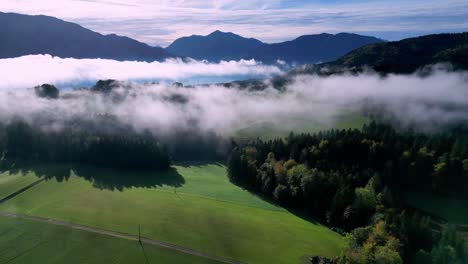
(438, 99)
(28, 71)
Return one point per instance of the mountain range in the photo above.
(305, 49)
(25, 35)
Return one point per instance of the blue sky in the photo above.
(160, 22)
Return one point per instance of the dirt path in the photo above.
(118, 235)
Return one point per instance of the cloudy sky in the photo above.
(159, 22)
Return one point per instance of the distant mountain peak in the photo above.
(49, 35)
(222, 34)
(215, 46)
(218, 32)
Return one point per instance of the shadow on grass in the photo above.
(299, 212)
(102, 178)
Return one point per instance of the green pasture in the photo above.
(25, 242)
(269, 130)
(194, 206)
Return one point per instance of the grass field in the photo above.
(205, 212)
(24, 241)
(268, 130)
(9, 183)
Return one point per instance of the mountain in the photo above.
(408, 55)
(305, 49)
(25, 35)
(215, 46)
(313, 48)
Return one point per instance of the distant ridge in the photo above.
(28, 35)
(25, 35)
(305, 49)
(408, 55)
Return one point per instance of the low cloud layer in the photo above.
(28, 71)
(426, 100)
(440, 98)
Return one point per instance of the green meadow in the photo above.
(193, 206)
(269, 130)
(9, 183)
(25, 241)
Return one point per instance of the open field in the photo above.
(10, 183)
(200, 210)
(24, 241)
(268, 130)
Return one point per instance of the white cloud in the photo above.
(440, 98)
(29, 71)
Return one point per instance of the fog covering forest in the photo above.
(429, 100)
(198, 122)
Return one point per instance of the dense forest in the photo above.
(354, 181)
(21, 142)
(112, 145)
(408, 55)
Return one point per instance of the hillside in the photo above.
(408, 55)
(25, 35)
(305, 49)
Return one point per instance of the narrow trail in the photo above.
(119, 235)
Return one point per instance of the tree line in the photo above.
(21, 142)
(353, 180)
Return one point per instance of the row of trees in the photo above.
(350, 179)
(20, 142)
